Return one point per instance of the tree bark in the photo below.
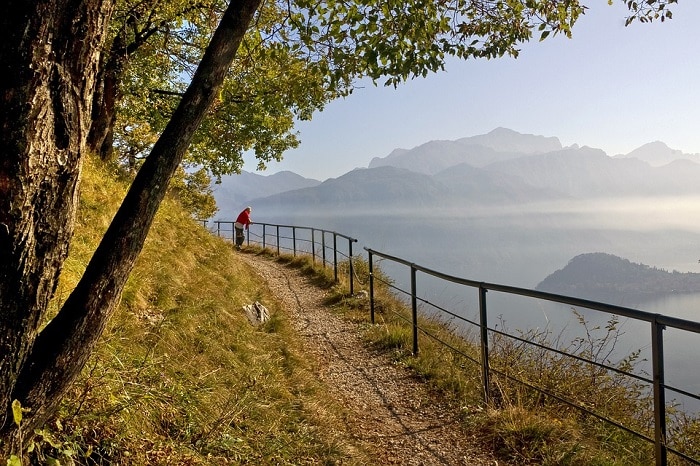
(48, 59)
(107, 90)
(62, 348)
(101, 136)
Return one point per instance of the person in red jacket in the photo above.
(242, 222)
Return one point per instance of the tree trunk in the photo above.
(37, 370)
(101, 136)
(49, 58)
(107, 93)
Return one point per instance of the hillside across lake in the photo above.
(605, 277)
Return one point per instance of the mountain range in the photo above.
(502, 166)
(480, 206)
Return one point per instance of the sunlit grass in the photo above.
(522, 425)
(180, 375)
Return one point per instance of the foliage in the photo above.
(194, 192)
(646, 11)
(266, 89)
(529, 361)
(297, 57)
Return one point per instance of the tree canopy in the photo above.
(294, 59)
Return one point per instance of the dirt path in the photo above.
(393, 412)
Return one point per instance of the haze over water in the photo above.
(521, 245)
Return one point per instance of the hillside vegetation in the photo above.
(180, 375)
(600, 276)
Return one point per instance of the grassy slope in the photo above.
(180, 376)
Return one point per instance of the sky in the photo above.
(611, 87)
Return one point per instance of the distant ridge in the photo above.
(605, 277)
(658, 154)
(363, 187)
(502, 167)
(236, 191)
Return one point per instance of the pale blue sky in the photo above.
(610, 87)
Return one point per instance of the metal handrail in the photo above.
(296, 242)
(658, 323)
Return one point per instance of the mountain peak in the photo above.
(657, 154)
(481, 150)
(507, 140)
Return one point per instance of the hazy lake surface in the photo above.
(521, 245)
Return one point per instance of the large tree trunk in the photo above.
(38, 370)
(48, 54)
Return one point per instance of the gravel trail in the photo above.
(391, 412)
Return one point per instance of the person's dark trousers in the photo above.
(239, 237)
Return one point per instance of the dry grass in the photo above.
(180, 375)
(522, 425)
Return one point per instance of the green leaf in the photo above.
(17, 412)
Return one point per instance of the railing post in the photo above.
(218, 228)
(657, 358)
(294, 240)
(483, 323)
(371, 287)
(263, 235)
(352, 282)
(313, 247)
(414, 310)
(335, 256)
(323, 247)
(278, 240)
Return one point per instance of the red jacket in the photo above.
(244, 218)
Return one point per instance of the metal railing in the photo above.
(658, 323)
(320, 244)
